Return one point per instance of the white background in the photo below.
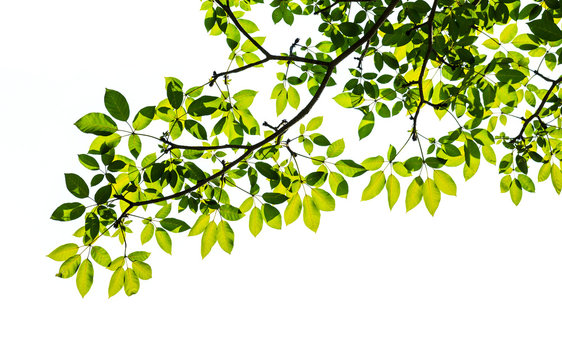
(482, 279)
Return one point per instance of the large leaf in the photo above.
(85, 277)
(97, 124)
(116, 104)
(77, 186)
(68, 211)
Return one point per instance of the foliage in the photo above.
(404, 58)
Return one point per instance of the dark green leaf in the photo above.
(116, 104)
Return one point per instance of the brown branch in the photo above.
(535, 115)
(204, 148)
(424, 65)
(281, 130)
(335, 3)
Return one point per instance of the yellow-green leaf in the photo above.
(515, 192)
(208, 239)
(116, 282)
(393, 190)
(293, 209)
(85, 277)
(63, 252)
(199, 225)
(142, 269)
(164, 240)
(556, 177)
(311, 214)
(225, 236)
(414, 193)
(256, 221)
(132, 283)
(508, 33)
(445, 183)
(375, 186)
(323, 200)
(431, 196)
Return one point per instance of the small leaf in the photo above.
(336, 148)
(311, 214)
(116, 104)
(77, 186)
(393, 190)
(147, 233)
(515, 192)
(174, 92)
(314, 123)
(225, 236)
(544, 172)
(69, 267)
(508, 33)
(64, 252)
(164, 211)
(414, 193)
(138, 256)
(445, 183)
(174, 225)
(526, 183)
(199, 225)
(68, 211)
(208, 239)
(322, 199)
(350, 168)
(85, 277)
(274, 198)
(293, 209)
(142, 270)
(132, 283)
(103, 194)
(135, 145)
(101, 256)
(116, 282)
(272, 216)
(88, 161)
(97, 124)
(431, 196)
(164, 240)
(256, 221)
(556, 177)
(375, 186)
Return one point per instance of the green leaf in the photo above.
(393, 190)
(373, 163)
(231, 213)
(138, 256)
(103, 194)
(508, 33)
(144, 117)
(336, 148)
(491, 44)
(244, 98)
(116, 263)
(293, 97)
(69, 267)
(77, 186)
(431, 196)
(515, 192)
(68, 212)
(322, 199)
(101, 256)
(274, 198)
(544, 172)
(142, 270)
(556, 177)
(293, 209)
(256, 222)
(350, 29)
(64, 252)
(203, 106)
(135, 145)
(414, 193)
(526, 183)
(164, 211)
(132, 283)
(266, 170)
(546, 28)
(350, 168)
(199, 225)
(147, 233)
(281, 102)
(510, 76)
(116, 104)
(225, 236)
(489, 154)
(116, 282)
(97, 124)
(349, 100)
(85, 277)
(375, 186)
(174, 92)
(311, 214)
(314, 123)
(445, 183)
(272, 216)
(164, 240)
(174, 225)
(338, 184)
(208, 239)
(88, 161)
